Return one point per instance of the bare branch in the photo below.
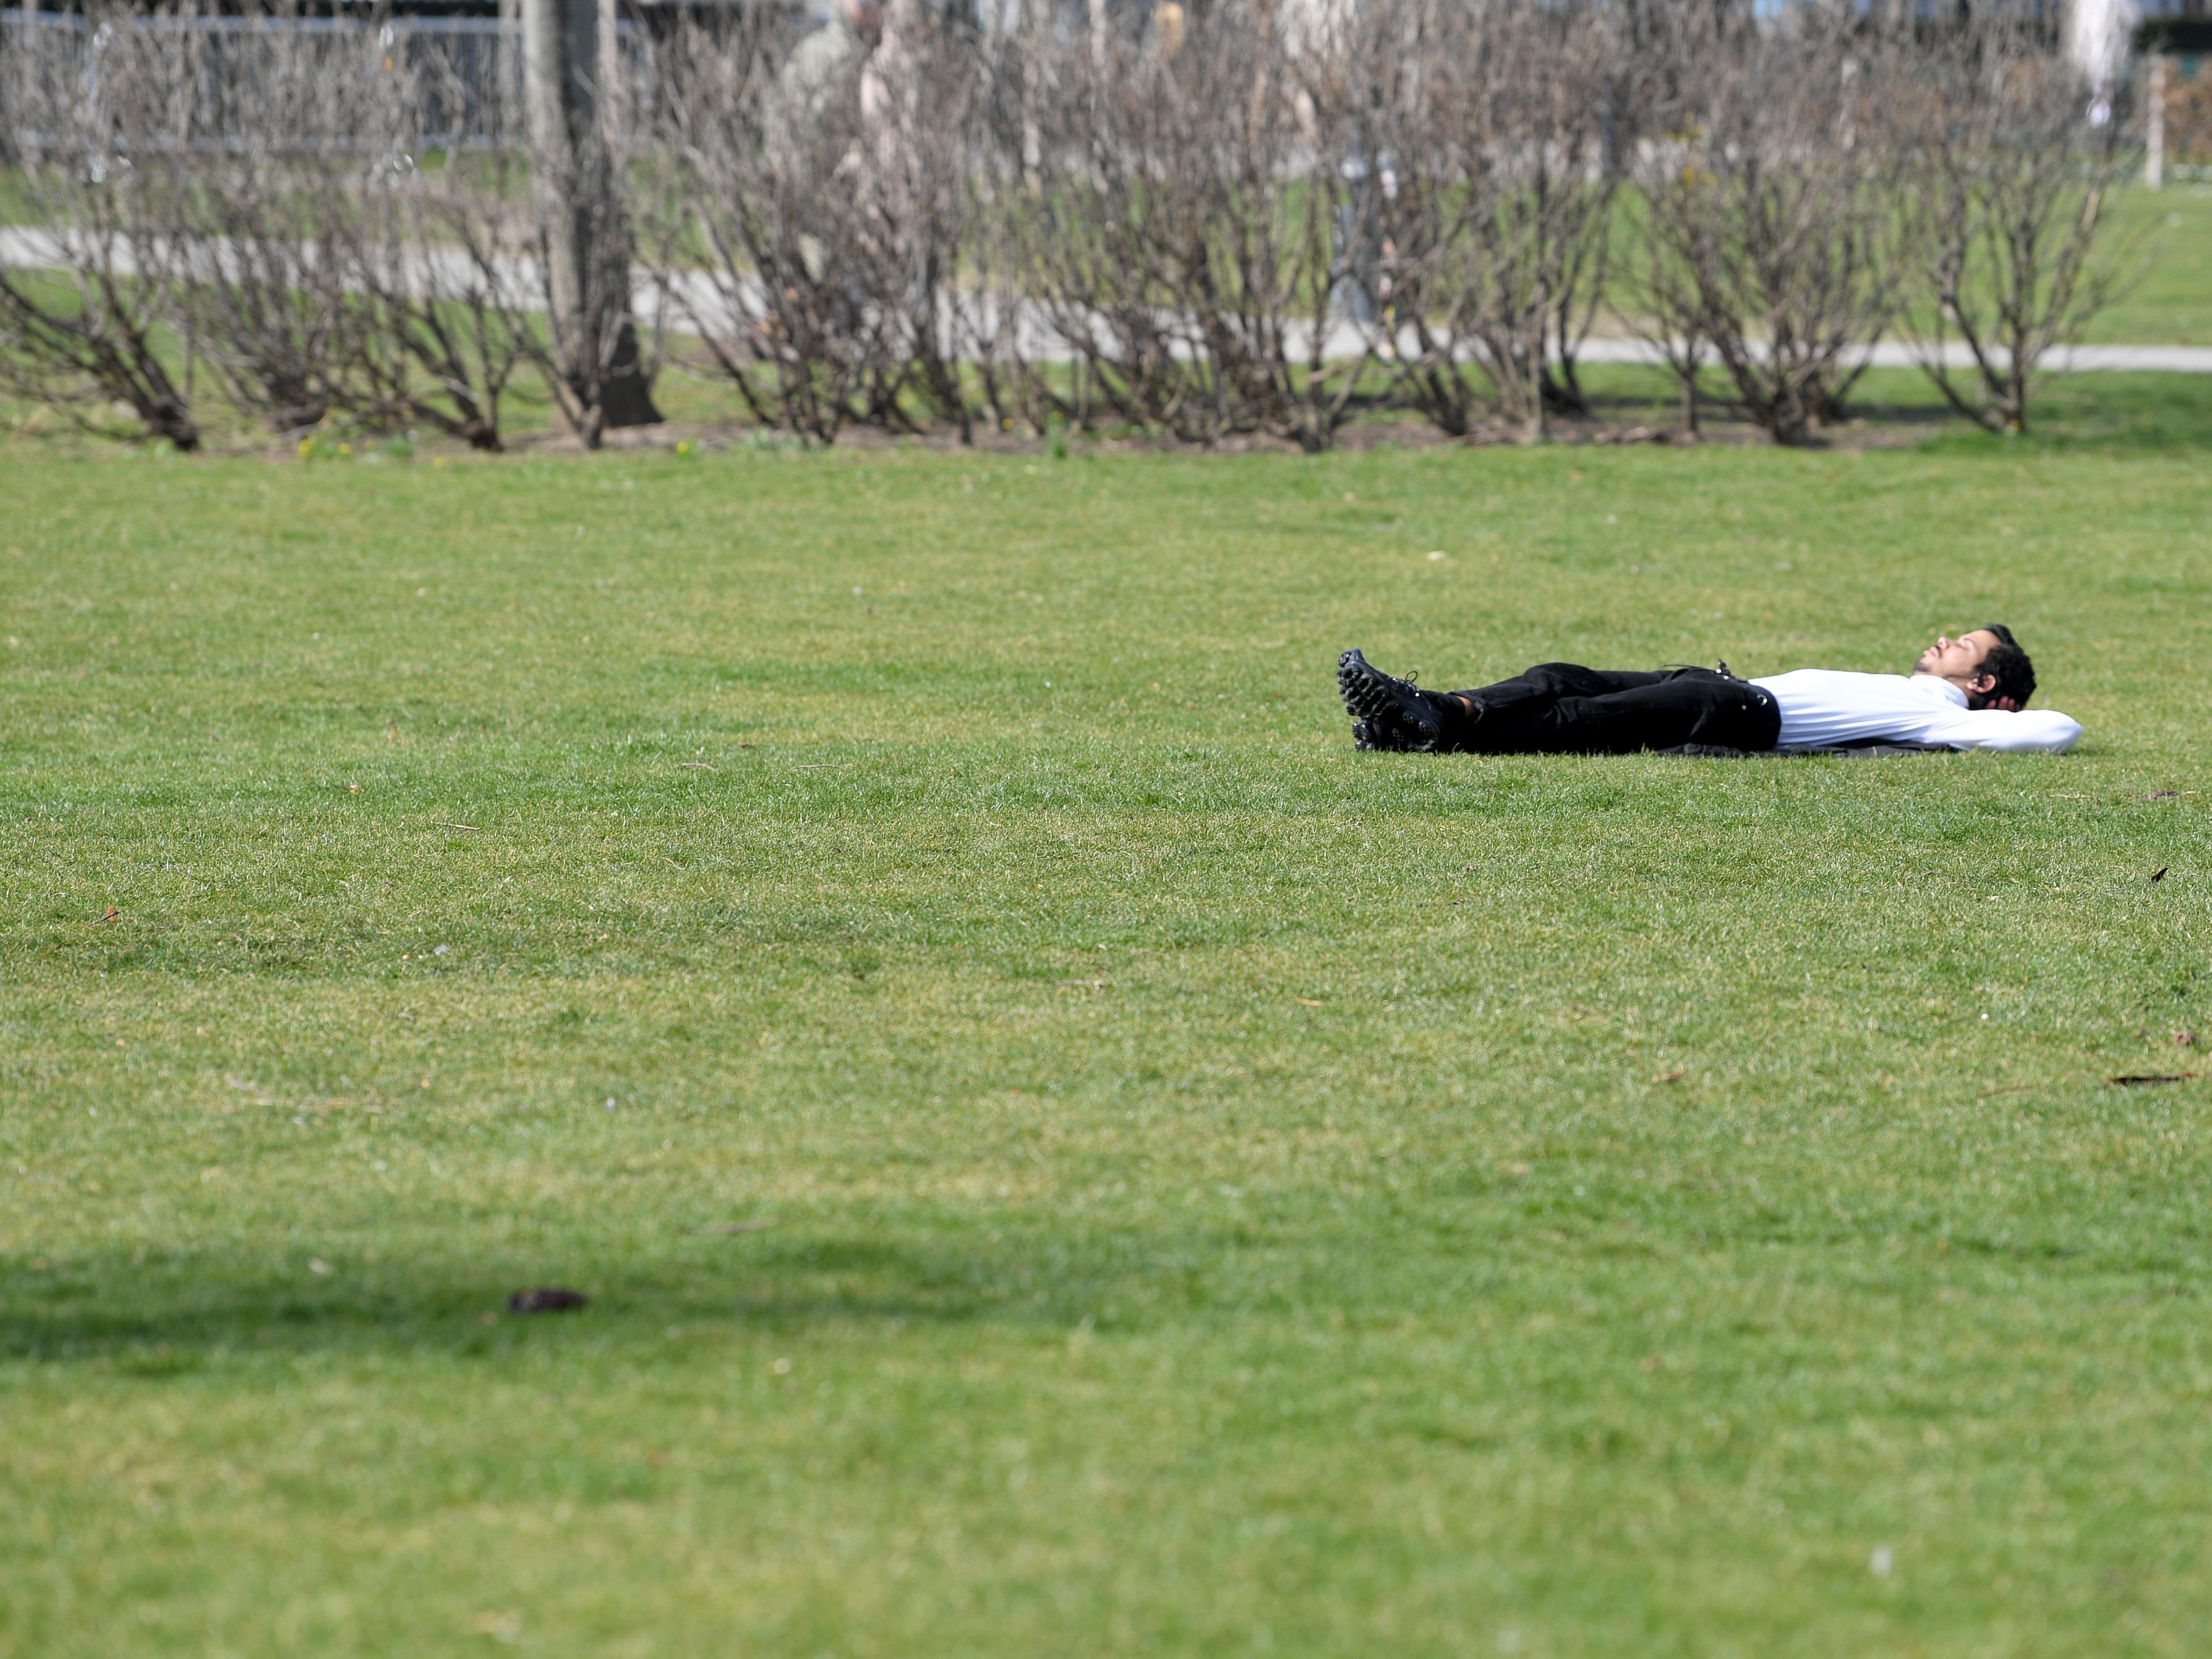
(2005, 198)
(1769, 207)
(81, 334)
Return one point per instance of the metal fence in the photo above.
(467, 71)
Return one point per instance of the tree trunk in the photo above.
(513, 120)
(613, 91)
(2154, 143)
(585, 238)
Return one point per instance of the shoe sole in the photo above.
(1385, 710)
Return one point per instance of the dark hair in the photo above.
(2008, 663)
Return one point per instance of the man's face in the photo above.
(1959, 658)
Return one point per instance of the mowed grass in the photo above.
(2161, 243)
(1065, 1156)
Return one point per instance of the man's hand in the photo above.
(1981, 686)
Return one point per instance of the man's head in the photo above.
(1986, 663)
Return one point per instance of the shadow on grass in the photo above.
(1375, 1265)
(181, 1311)
(1890, 407)
(2112, 411)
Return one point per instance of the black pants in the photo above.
(1562, 708)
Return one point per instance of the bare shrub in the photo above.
(1080, 240)
(426, 256)
(81, 333)
(1244, 219)
(1182, 243)
(2006, 197)
(750, 208)
(1497, 206)
(251, 188)
(1404, 210)
(1770, 211)
(440, 302)
(813, 197)
(921, 103)
(246, 210)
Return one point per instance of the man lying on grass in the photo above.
(1970, 692)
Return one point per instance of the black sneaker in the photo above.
(1365, 737)
(1386, 713)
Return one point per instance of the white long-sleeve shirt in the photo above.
(1829, 705)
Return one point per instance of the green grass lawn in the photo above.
(1065, 1156)
(2164, 246)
